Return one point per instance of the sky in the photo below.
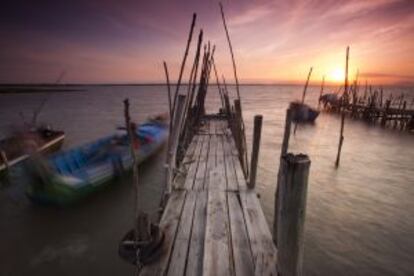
(101, 41)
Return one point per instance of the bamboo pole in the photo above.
(231, 50)
(190, 35)
(291, 213)
(257, 131)
(341, 140)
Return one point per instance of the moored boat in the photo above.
(66, 177)
(19, 146)
(302, 113)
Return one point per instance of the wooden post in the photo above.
(172, 151)
(341, 140)
(257, 130)
(283, 152)
(242, 137)
(294, 172)
(286, 134)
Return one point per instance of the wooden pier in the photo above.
(213, 224)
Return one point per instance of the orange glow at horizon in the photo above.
(337, 75)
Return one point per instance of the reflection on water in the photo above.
(359, 217)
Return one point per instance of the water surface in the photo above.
(360, 218)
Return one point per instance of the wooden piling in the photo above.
(257, 130)
(283, 152)
(294, 172)
(286, 134)
(341, 140)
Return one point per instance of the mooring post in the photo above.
(175, 135)
(257, 131)
(294, 172)
(341, 140)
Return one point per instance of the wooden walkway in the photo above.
(213, 224)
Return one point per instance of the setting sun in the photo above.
(336, 75)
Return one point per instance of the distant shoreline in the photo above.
(75, 87)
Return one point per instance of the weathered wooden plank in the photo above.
(239, 173)
(219, 179)
(242, 254)
(190, 153)
(179, 253)
(212, 128)
(219, 151)
(211, 160)
(196, 248)
(261, 242)
(217, 259)
(232, 183)
(201, 170)
(192, 171)
(168, 224)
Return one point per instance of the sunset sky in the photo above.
(274, 41)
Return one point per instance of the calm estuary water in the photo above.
(360, 218)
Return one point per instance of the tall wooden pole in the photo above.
(306, 85)
(304, 94)
(231, 50)
(169, 91)
(257, 131)
(190, 35)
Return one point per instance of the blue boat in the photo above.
(69, 176)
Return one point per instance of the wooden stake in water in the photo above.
(257, 130)
(341, 140)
